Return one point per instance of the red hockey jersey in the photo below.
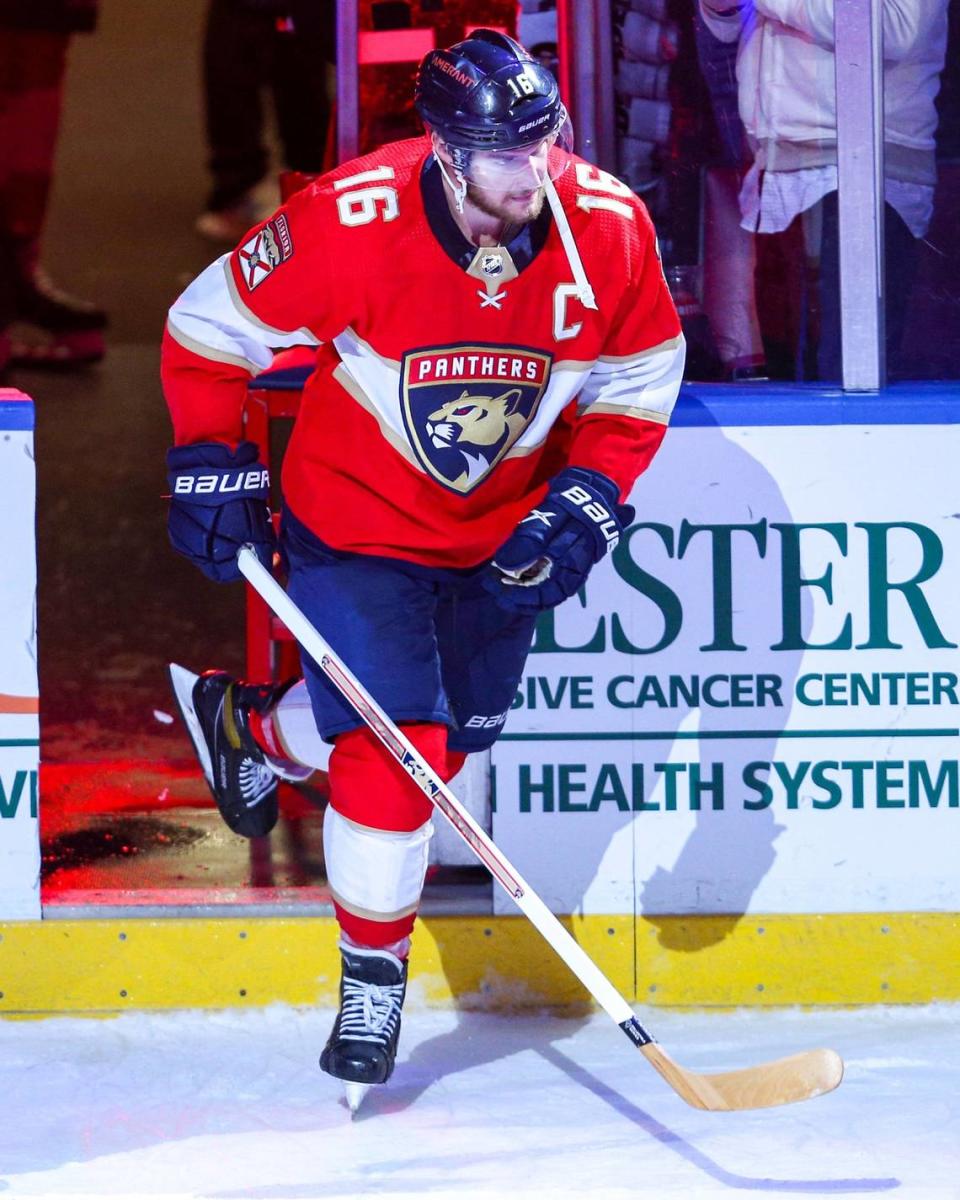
(451, 381)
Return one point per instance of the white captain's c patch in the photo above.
(464, 407)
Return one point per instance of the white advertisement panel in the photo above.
(19, 721)
(755, 705)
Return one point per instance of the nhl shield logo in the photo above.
(464, 407)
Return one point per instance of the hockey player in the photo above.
(499, 357)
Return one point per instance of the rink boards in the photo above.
(755, 707)
(94, 966)
(19, 702)
(752, 710)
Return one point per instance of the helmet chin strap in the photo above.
(459, 188)
(584, 290)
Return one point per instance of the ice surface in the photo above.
(231, 1104)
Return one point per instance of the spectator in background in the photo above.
(729, 251)
(787, 98)
(39, 325)
(285, 47)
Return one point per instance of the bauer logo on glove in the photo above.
(223, 483)
(552, 550)
(608, 524)
(218, 503)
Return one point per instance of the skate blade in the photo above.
(354, 1093)
(183, 682)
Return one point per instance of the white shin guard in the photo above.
(374, 873)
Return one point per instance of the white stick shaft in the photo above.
(435, 789)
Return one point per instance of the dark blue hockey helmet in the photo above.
(487, 93)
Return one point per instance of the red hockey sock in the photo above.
(376, 935)
(368, 787)
(265, 734)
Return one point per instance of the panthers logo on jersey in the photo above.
(464, 407)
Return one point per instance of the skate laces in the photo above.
(370, 1010)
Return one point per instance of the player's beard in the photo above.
(504, 207)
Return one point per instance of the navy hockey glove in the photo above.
(549, 555)
(218, 502)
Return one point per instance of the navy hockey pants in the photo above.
(428, 643)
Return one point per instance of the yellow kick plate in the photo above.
(104, 966)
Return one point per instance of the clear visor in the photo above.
(520, 167)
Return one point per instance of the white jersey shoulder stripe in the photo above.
(279, 337)
(644, 386)
(211, 320)
(351, 343)
(376, 385)
(207, 351)
(647, 384)
(397, 440)
(621, 410)
(579, 365)
(612, 362)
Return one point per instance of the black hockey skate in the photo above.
(362, 1046)
(243, 779)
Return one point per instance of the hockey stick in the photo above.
(783, 1081)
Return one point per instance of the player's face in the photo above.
(508, 184)
(511, 208)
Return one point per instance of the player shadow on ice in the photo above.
(695, 1156)
(472, 1044)
(704, 561)
(479, 980)
(429, 1063)
(727, 848)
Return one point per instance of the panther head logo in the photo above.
(472, 422)
(467, 407)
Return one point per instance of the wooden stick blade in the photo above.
(784, 1081)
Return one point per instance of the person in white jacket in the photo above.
(787, 98)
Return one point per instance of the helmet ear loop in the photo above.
(459, 188)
